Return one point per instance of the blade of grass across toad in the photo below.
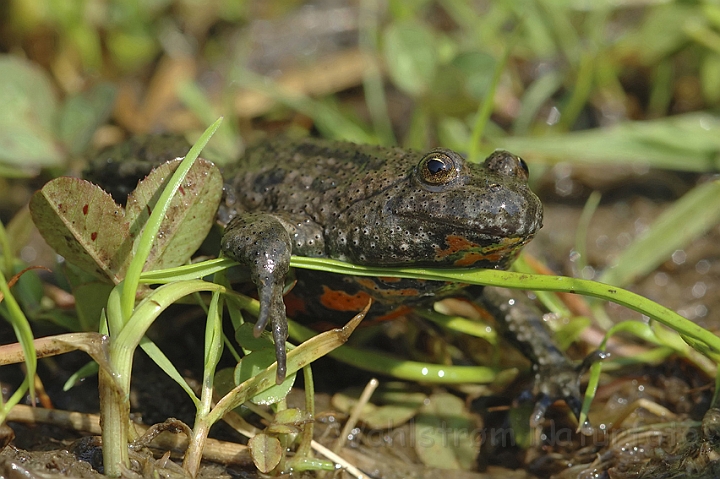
(702, 340)
(510, 279)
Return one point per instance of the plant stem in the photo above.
(115, 380)
(115, 414)
(213, 349)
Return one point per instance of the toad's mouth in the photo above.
(459, 251)
(478, 230)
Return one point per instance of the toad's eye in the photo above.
(507, 164)
(524, 166)
(439, 167)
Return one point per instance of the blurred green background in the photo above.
(87, 73)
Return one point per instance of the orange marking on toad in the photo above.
(342, 301)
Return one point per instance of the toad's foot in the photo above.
(560, 380)
(262, 243)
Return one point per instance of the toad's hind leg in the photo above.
(556, 376)
(262, 243)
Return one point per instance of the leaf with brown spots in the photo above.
(82, 223)
(189, 218)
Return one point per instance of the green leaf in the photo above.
(27, 117)
(291, 416)
(254, 363)
(506, 279)
(245, 336)
(189, 217)
(82, 114)
(288, 421)
(168, 367)
(151, 231)
(89, 369)
(13, 314)
(410, 56)
(266, 452)
(448, 436)
(391, 407)
(82, 223)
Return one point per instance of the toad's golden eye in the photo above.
(439, 167)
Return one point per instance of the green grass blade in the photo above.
(689, 217)
(7, 253)
(12, 312)
(488, 104)
(373, 84)
(535, 96)
(150, 231)
(187, 272)
(687, 142)
(383, 363)
(213, 350)
(151, 307)
(460, 325)
(168, 367)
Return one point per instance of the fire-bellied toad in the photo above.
(377, 206)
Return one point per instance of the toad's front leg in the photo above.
(263, 243)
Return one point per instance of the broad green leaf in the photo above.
(27, 117)
(82, 223)
(292, 416)
(266, 452)
(448, 436)
(245, 336)
(288, 421)
(254, 363)
(189, 218)
(391, 406)
(82, 114)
